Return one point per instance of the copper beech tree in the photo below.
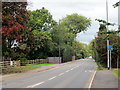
(14, 25)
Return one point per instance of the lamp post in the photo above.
(119, 16)
(108, 53)
(118, 32)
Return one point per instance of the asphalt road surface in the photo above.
(77, 74)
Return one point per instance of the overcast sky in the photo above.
(93, 9)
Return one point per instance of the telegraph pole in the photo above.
(119, 17)
(118, 32)
(108, 53)
(59, 46)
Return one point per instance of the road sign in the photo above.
(110, 48)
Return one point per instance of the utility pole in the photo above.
(108, 53)
(59, 55)
(118, 32)
(119, 16)
(59, 46)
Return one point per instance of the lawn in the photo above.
(20, 69)
(117, 73)
(34, 66)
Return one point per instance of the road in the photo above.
(77, 74)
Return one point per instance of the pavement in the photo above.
(75, 74)
(105, 79)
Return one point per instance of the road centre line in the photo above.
(60, 74)
(31, 86)
(52, 78)
(34, 85)
(67, 70)
(77, 66)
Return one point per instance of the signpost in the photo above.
(110, 48)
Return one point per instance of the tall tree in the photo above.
(76, 23)
(100, 45)
(14, 24)
(41, 20)
(41, 23)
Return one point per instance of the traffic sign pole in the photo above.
(108, 61)
(110, 48)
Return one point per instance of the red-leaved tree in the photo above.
(14, 25)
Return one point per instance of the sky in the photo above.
(93, 9)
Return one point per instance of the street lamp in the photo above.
(118, 30)
(119, 16)
(108, 53)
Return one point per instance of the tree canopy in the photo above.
(76, 23)
(41, 20)
(37, 35)
(14, 25)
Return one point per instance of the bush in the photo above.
(9, 70)
(23, 61)
(100, 67)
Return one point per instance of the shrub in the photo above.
(23, 61)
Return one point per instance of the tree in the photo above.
(41, 20)
(80, 49)
(41, 23)
(62, 37)
(64, 34)
(14, 25)
(76, 23)
(116, 4)
(100, 45)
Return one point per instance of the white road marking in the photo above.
(31, 86)
(52, 78)
(67, 70)
(60, 74)
(77, 66)
(71, 69)
(92, 79)
(74, 67)
(90, 70)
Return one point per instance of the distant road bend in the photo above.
(76, 74)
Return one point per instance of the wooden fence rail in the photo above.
(19, 63)
(9, 62)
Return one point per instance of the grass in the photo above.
(100, 67)
(34, 66)
(20, 69)
(116, 72)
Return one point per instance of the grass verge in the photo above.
(20, 69)
(99, 67)
(116, 72)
